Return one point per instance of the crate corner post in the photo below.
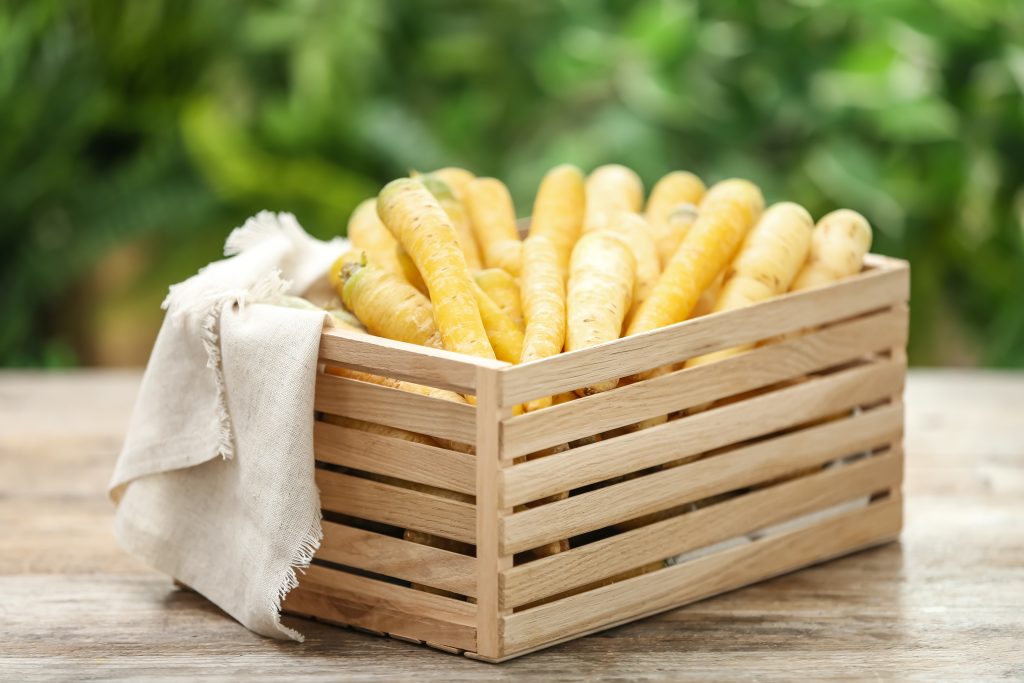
(491, 558)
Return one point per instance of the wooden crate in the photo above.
(772, 460)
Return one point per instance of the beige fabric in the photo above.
(215, 482)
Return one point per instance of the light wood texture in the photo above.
(869, 291)
(490, 559)
(744, 466)
(398, 458)
(938, 605)
(702, 577)
(395, 408)
(761, 367)
(419, 364)
(698, 529)
(704, 431)
(401, 507)
(398, 558)
(383, 607)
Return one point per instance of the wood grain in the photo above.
(384, 607)
(700, 528)
(398, 558)
(759, 462)
(702, 432)
(708, 575)
(419, 364)
(490, 557)
(380, 454)
(395, 408)
(397, 506)
(664, 394)
(869, 291)
(941, 604)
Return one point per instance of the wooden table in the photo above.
(947, 602)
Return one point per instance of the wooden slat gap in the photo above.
(396, 506)
(728, 471)
(369, 402)
(382, 454)
(693, 530)
(709, 430)
(758, 369)
(706, 576)
(791, 312)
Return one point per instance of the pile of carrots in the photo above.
(437, 260)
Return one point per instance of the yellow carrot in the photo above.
(408, 270)
(611, 189)
(706, 302)
(678, 187)
(493, 217)
(633, 229)
(505, 336)
(458, 217)
(504, 291)
(765, 266)
(416, 219)
(455, 178)
(838, 245)
(670, 235)
(543, 294)
(334, 272)
(602, 273)
(728, 211)
(388, 305)
(345, 320)
(558, 211)
(399, 384)
(340, 318)
(366, 232)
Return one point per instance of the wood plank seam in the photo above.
(698, 529)
(703, 577)
(871, 290)
(734, 469)
(400, 507)
(491, 560)
(401, 459)
(710, 430)
(395, 557)
(395, 408)
(761, 367)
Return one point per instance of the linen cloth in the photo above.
(215, 483)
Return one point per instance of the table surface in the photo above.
(947, 601)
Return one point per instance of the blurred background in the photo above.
(135, 135)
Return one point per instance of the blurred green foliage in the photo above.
(136, 134)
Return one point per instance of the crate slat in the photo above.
(394, 457)
(398, 558)
(395, 408)
(701, 528)
(413, 363)
(703, 577)
(365, 603)
(760, 367)
(869, 291)
(401, 507)
(744, 466)
(694, 434)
